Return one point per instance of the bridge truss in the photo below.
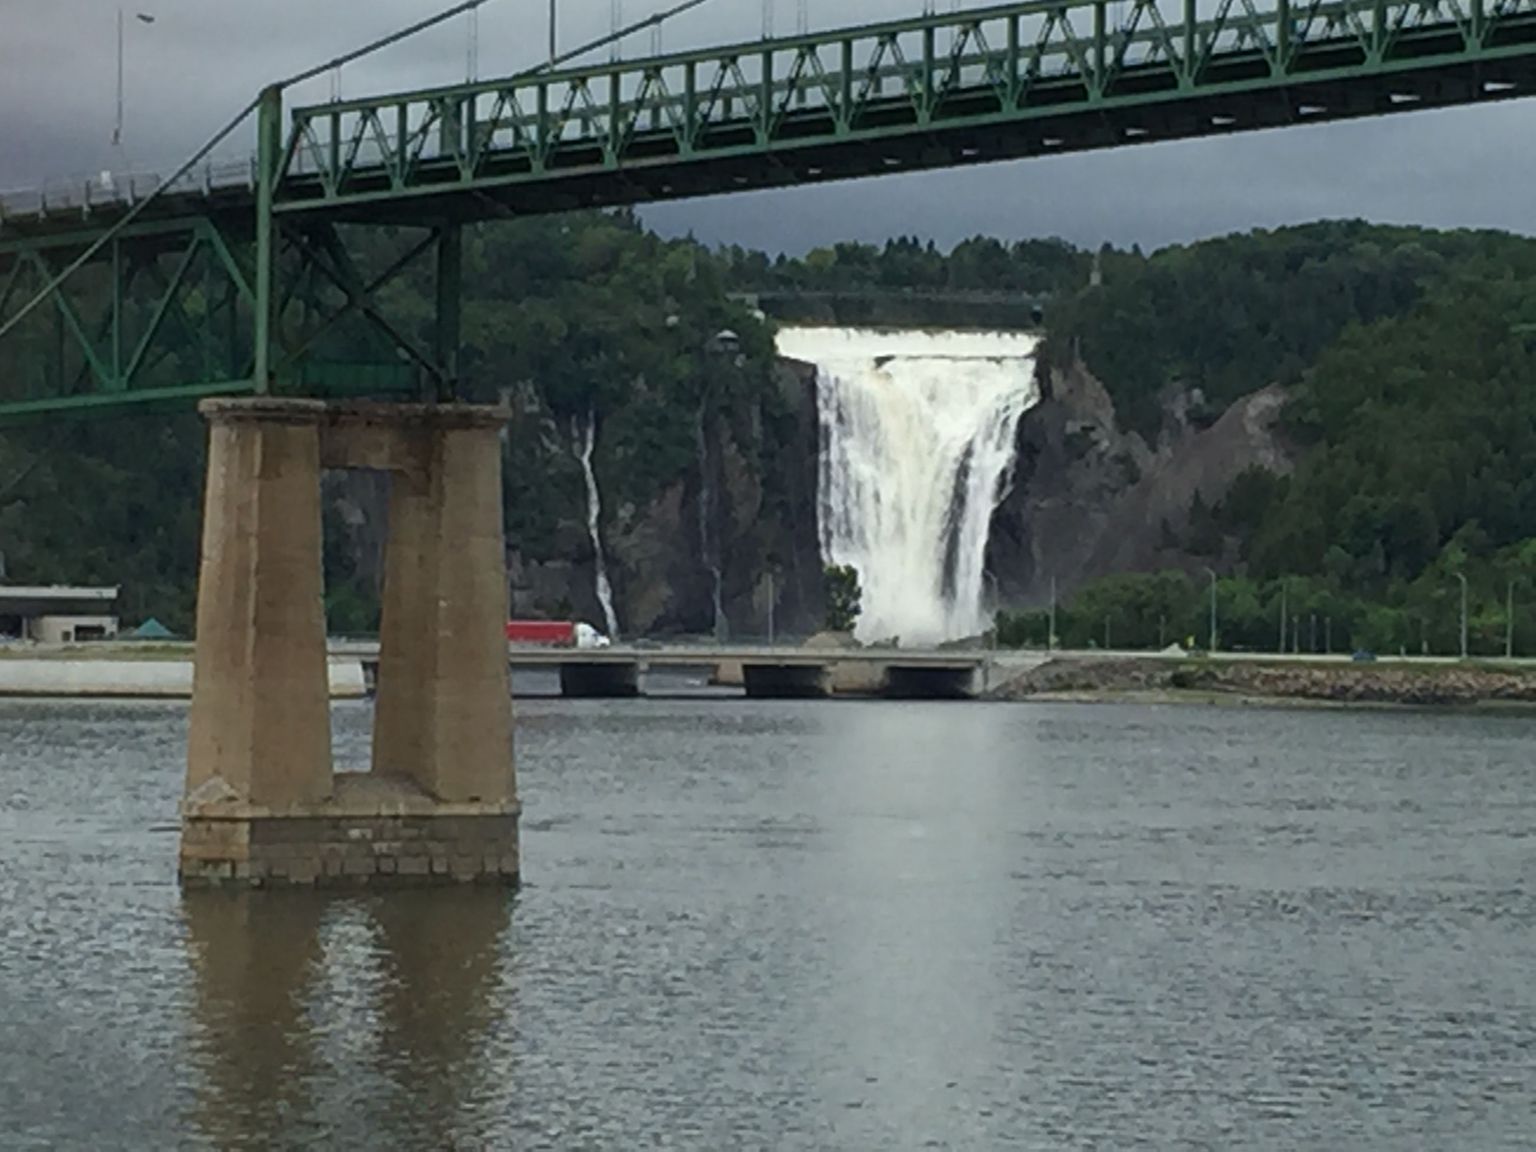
(280, 281)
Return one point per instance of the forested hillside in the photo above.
(1411, 371)
(574, 319)
(1406, 356)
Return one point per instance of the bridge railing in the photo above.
(1015, 60)
(87, 194)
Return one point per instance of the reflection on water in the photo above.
(806, 926)
(293, 987)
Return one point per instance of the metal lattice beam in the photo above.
(1022, 79)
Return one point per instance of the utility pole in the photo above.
(1281, 649)
(1463, 580)
(771, 595)
(1050, 639)
(1509, 621)
(1211, 572)
(117, 130)
(472, 47)
(553, 24)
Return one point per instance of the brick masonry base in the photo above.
(332, 847)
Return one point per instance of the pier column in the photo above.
(260, 731)
(444, 715)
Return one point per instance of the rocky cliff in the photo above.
(1088, 499)
(744, 505)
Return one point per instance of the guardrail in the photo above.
(87, 194)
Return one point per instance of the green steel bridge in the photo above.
(275, 279)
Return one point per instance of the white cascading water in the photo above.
(585, 441)
(917, 449)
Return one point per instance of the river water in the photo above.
(775, 925)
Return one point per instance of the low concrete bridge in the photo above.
(762, 672)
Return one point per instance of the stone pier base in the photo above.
(363, 836)
(263, 805)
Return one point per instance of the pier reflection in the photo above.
(325, 1017)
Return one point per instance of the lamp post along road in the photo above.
(1509, 621)
(1211, 647)
(772, 594)
(142, 18)
(1050, 639)
(1463, 581)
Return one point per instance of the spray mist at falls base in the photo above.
(917, 448)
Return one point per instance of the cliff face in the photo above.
(745, 506)
(1088, 500)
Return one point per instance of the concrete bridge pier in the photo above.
(263, 805)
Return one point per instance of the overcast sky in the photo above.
(201, 60)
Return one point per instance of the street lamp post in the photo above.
(772, 595)
(1050, 639)
(1283, 590)
(142, 18)
(989, 578)
(1211, 647)
(1509, 621)
(1463, 581)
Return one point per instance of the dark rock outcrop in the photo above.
(755, 485)
(1088, 499)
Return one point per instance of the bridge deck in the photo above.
(995, 83)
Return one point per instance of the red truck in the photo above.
(554, 634)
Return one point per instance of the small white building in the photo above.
(57, 615)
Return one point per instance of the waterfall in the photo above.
(917, 449)
(585, 442)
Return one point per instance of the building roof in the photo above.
(151, 629)
(55, 600)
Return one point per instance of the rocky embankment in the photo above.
(1420, 685)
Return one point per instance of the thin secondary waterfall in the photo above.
(917, 449)
(585, 440)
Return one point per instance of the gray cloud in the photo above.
(203, 59)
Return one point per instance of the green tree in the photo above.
(844, 596)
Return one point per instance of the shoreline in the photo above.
(1239, 684)
(1185, 698)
